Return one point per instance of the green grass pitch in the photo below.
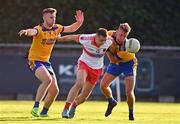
(18, 112)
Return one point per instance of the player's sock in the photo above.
(131, 111)
(111, 100)
(131, 114)
(73, 110)
(74, 105)
(67, 105)
(36, 104)
(44, 111)
(35, 109)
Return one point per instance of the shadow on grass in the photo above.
(27, 118)
(52, 119)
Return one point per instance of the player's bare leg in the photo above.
(53, 91)
(43, 75)
(105, 83)
(82, 97)
(106, 90)
(86, 91)
(80, 80)
(130, 84)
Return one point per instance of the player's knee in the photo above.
(78, 84)
(56, 91)
(103, 86)
(129, 94)
(48, 81)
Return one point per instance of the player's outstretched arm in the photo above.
(79, 20)
(68, 38)
(28, 32)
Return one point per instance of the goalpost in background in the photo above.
(116, 83)
(118, 89)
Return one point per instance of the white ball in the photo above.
(132, 45)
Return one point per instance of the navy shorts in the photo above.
(126, 68)
(34, 65)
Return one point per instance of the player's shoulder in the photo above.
(111, 32)
(58, 25)
(87, 36)
(38, 26)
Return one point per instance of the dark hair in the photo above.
(49, 10)
(102, 32)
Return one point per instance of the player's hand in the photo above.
(23, 32)
(79, 16)
(58, 37)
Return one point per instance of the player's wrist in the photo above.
(79, 21)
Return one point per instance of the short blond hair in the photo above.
(49, 10)
(125, 27)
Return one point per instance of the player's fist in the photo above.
(23, 32)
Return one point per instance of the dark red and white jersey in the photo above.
(93, 55)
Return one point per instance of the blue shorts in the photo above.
(34, 65)
(126, 68)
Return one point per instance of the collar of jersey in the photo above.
(52, 29)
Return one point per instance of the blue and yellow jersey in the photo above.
(43, 42)
(119, 50)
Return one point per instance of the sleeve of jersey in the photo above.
(38, 30)
(81, 39)
(60, 28)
